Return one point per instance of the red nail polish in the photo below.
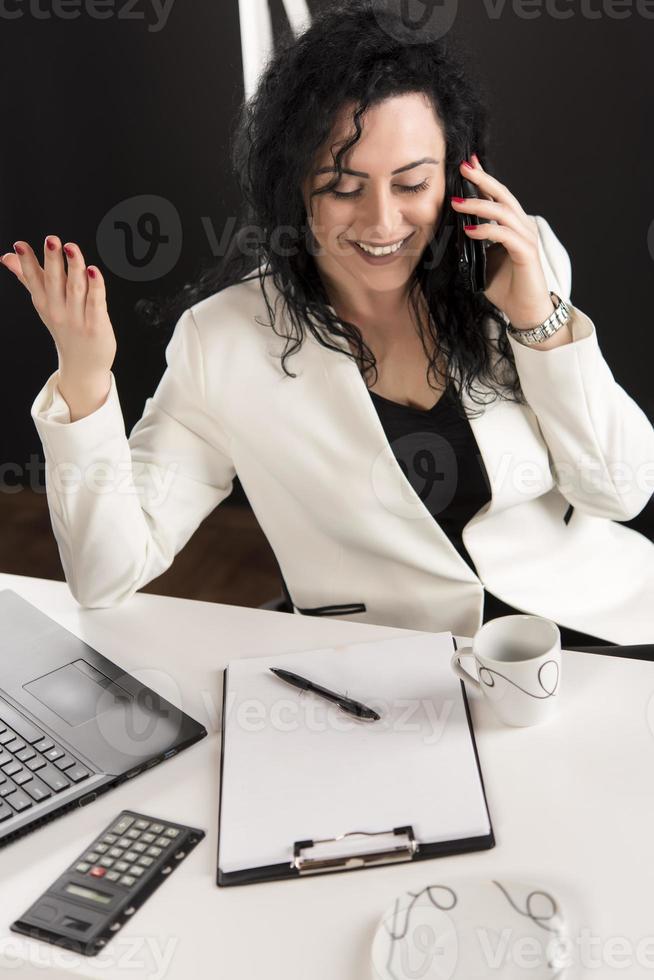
(459, 200)
(51, 245)
(466, 163)
(69, 252)
(470, 227)
(19, 249)
(91, 272)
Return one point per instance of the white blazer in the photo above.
(351, 535)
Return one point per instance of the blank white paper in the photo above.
(296, 767)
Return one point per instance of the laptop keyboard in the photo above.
(32, 766)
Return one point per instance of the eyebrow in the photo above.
(360, 173)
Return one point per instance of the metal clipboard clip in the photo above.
(401, 845)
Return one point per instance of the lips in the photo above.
(370, 255)
(380, 245)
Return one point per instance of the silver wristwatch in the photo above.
(554, 322)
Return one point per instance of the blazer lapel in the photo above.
(508, 436)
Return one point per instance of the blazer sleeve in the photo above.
(122, 508)
(600, 442)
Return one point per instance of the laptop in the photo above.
(73, 724)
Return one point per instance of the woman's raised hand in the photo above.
(72, 304)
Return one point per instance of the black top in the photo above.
(438, 453)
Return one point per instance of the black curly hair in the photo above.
(350, 54)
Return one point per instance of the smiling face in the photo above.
(396, 195)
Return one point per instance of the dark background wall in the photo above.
(102, 114)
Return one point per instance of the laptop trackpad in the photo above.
(77, 692)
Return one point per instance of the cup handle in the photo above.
(461, 671)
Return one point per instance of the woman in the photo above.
(385, 496)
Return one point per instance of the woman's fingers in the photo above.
(76, 284)
(11, 262)
(96, 297)
(32, 274)
(55, 278)
(486, 184)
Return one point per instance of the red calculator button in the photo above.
(98, 872)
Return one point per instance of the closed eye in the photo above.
(405, 190)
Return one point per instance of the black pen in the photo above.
(347, 704)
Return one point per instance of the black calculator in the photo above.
(108, 882)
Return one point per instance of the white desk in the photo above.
(572, 805)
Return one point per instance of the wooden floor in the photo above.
(228, 559)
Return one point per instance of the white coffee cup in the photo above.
(518, 661)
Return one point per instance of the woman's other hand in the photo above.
(72, 304)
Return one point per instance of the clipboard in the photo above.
(283, 814)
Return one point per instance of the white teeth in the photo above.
(384, 250)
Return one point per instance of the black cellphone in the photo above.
(471, 252)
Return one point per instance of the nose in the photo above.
(382, 216)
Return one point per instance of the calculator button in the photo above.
(97, 872)
(171, 832)
(106, 862)
(116, 852)
(121, 865)
(131, 856)
(133, 834)
(112, 876)
(138, 847)
(155, 851)
(54, 753)
(163, 841)
(110, 838)
(124, 842)
(142, 824)
(91, 856)
(148, 838)
(127, 880)
(121, 826)
(82, 866)
(101, 848)
(146, 861)
(156, 828)
(136, 871)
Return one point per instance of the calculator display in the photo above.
(88, 893)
